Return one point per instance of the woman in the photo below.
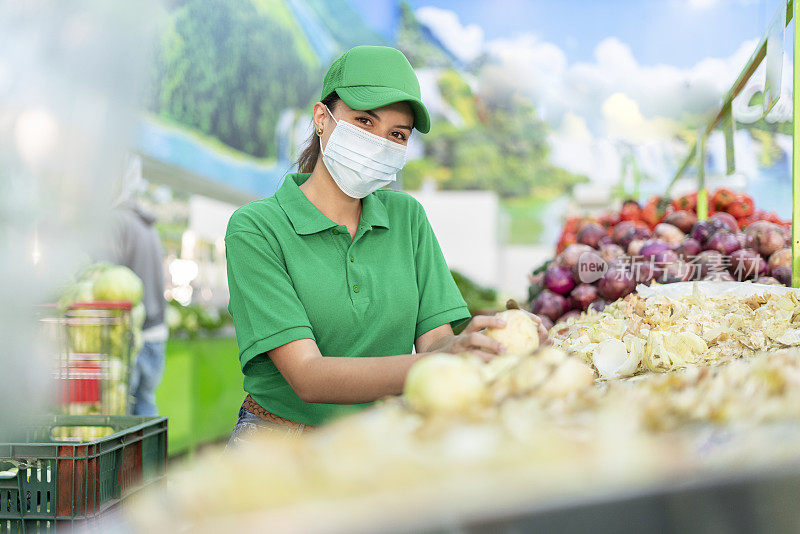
(333, 281)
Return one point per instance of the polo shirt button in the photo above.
(352, 259)
(335, 231)
(355, 289)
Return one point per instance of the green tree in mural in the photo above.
(229, 69)
(507, 152)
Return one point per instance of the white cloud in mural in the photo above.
(540, 70)
(464, 42)
(602, 110)
(624, 121)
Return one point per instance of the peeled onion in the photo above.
(444, 383)
(612, 360)
(520, 335)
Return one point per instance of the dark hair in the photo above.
(308, 157)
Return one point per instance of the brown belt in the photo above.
(252, 406)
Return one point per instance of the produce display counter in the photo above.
(201, 391)
(761, 501)
(726, 501)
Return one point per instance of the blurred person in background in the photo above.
(136, 244)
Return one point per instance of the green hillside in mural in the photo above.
(229, 67)
(499, 147)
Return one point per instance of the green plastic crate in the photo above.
(60, 483)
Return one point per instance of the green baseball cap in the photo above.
(369, 77)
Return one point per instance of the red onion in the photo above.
(676, 271)
(747, 264)
(549, 304)
(781, 257)
(536, 285)
(611, 252)
(725, 221)
(720, 276)
(605, 240)
(558, 279)
(634, 234)
(672, 235)
(702, 231)
(683, 220)
(589, 269)
(620, 231)
(570, 255)
(547, 323)
(710, 261)
(591, 234)
(635, 247)
(766, 238)
(723, 242)
(569, 314)
(616, 283)
(582, 296)
(643, 270)
(688, 249)
(768, 280)
(741, 237)
(598, 305)
(653, 247)
(782, 274)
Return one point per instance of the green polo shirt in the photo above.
(295, 274)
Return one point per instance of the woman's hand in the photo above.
(472, 339)
(544, 336)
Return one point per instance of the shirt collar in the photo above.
(307, 219)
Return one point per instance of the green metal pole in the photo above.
(702, 194)
(796, 153)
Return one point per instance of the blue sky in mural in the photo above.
(674, 32)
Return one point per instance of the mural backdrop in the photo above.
(529, 98)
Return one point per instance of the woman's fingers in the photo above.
(485, 356)
(479, 322)
(544, 335)
(484, 342)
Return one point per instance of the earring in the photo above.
(319, 131)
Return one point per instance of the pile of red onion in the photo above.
(606, 265)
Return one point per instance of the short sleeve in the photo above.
(440, 301)
(266, 310)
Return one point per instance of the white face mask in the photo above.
(361, 162)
